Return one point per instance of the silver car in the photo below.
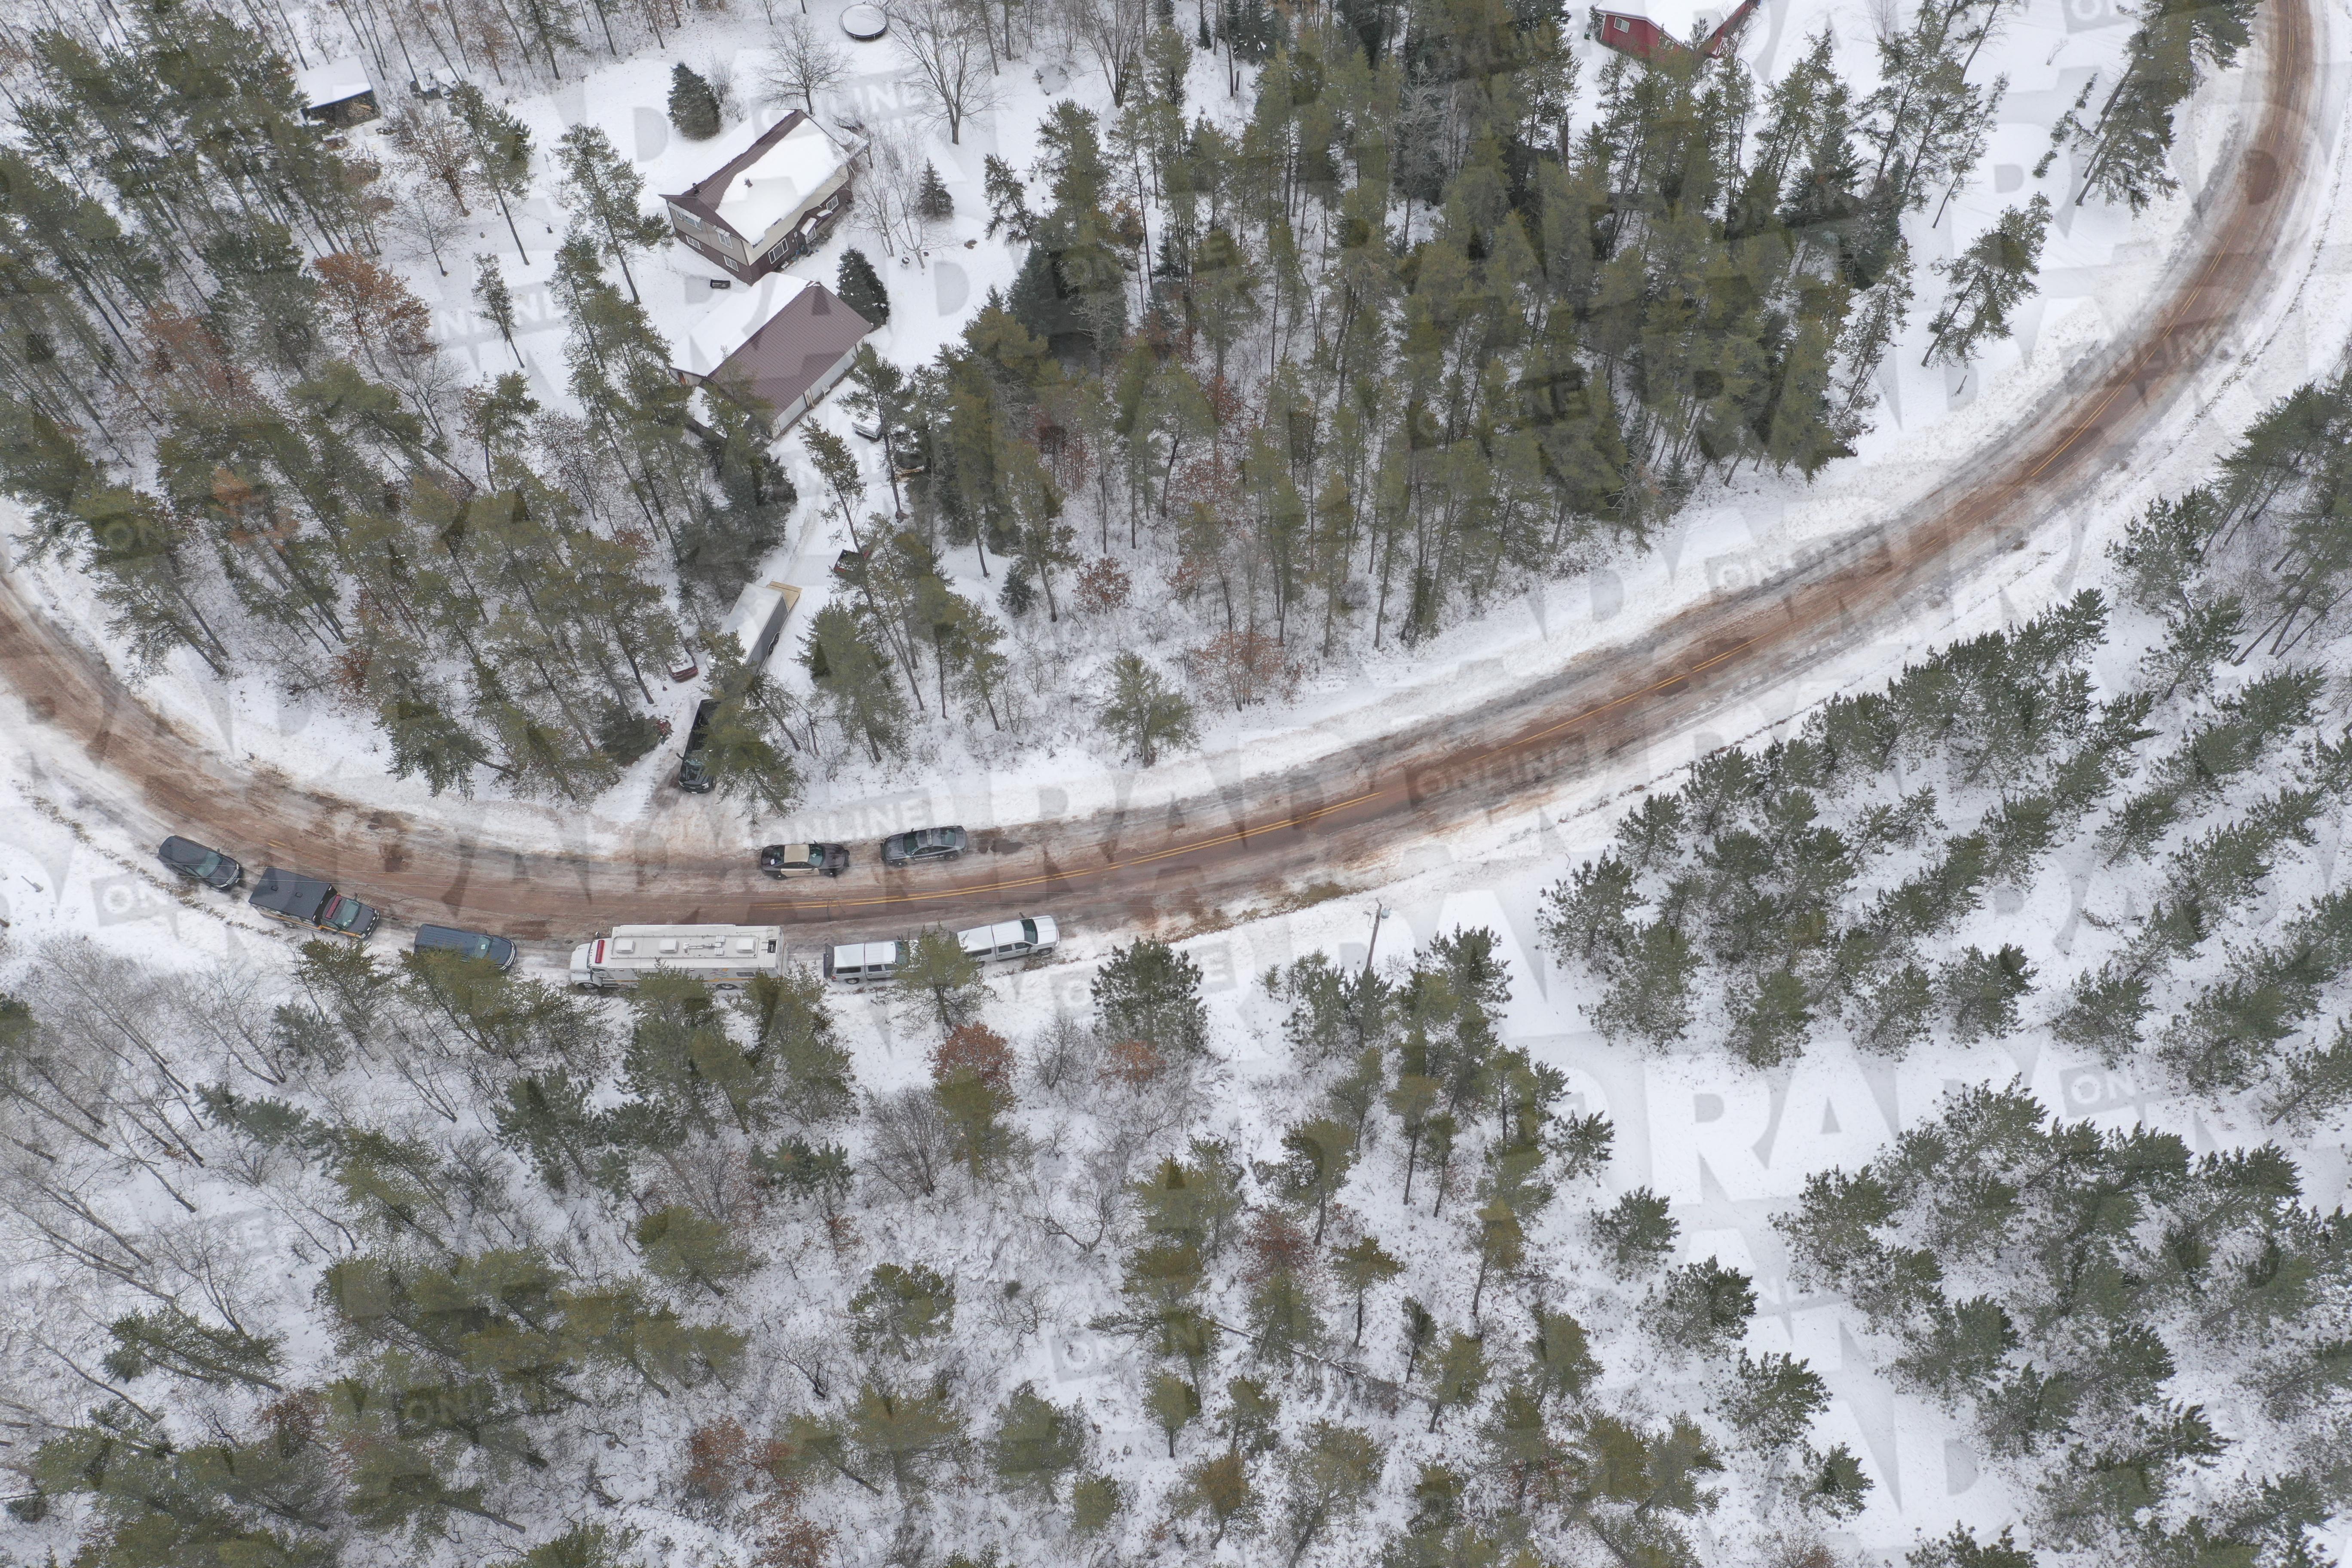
(924, 844)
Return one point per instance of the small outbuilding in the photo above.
(777, 349)
(775, 198)
(337, 93)
(757, 622)
(1648, 28)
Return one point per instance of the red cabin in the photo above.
(1641, 34)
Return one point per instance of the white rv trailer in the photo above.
(758, 620)
(721, 955)
(870, 962)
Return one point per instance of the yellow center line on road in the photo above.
(1297, 820)
(2147, 349)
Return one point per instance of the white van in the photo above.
(865, 963)
(724, 956)
(1008, 939)
(871, 962)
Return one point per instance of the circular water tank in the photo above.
(864, 22)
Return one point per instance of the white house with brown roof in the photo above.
(773, 198)
(779, 347)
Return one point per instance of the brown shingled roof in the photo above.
(793, 349)
(703, 197)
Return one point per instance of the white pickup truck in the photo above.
(724, 956)
(874, 962)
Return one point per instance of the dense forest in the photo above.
(421, 1262)
(1830, 879)
(416, 1261)
(2153, 1336)
(1401, 322)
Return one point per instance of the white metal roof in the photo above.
(787, 177)
(333, 81)
(758, 607)
(681, 945)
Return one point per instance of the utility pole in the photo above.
(1379, 912)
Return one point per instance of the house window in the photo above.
(1623, 26)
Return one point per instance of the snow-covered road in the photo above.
(1185, 845)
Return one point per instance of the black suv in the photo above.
(465, 944)
(782, 860)
(924, 844)
(302, 900)
(193, 860)
(694, 773)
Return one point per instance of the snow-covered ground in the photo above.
(2099, 269)
(1727, 1146)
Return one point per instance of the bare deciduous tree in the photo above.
(713, 1178)
(1080, 1197)
(424, 215)
(720, 72)
(1113, 31)
(230, 1007)
(946, 42)
(912, 1146)
(1063, 1056)
(886, 190)
(432, 145)
(802, 65)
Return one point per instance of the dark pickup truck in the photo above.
(302, 900)
(694, 770)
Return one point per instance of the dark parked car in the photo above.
(694, 773)
(782, 860)
(924, 844)
(297, 900)
(193, 860)
(466, 943)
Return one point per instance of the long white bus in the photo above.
(721, 955)
(1006, 942)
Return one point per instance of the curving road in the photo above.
(1283, 830)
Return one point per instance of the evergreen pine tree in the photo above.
(1008, 201)
(1174, 1403)
(689, 1248)
(1638, 1231)
(1144, 713)
(1036, 300)
(1702, 1306)
(1361, 1265)
(932, 200)
(1148, 991)
(693, 107)
(494, 302)
(855, 677)
(860, 286)
(1328, 1476)
(2176, 45)
(1988, 280)
(1316, 1157)
(604, 190)
(1036, 1443)
(500, 145)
